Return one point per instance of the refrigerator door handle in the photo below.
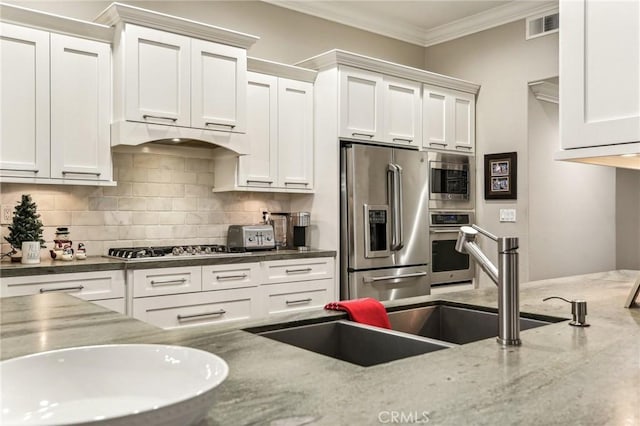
(395, 198)
(393, 277)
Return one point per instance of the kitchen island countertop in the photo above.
(560, 374)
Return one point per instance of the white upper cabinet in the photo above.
(402, 111)
(260, 167)
(361, 111)
(55, 95)
(448, 119)
(157, 77)
(295, 134)
(599, 75)
(80, 109)
(24, 102)
(218, 86)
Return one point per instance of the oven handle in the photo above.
(444, 231)
(393, 277)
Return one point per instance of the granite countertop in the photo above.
(560, 374)
(100, 263)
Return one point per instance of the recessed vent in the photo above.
(540, 25)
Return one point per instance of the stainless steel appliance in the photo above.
(384, 245)
(250, 237)
(170, 252)
(298, 230)
(448, 265)
(451, 180)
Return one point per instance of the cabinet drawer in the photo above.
(297, 296)
(156, 282)
(183, 310)
(298, 270)
(221, 277)
(85, 285)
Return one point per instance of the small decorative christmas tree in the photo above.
(27, 225)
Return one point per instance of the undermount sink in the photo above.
(456, 324)
(355, 343)
(414, 331)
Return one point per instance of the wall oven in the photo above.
(451, 180)
(447, 265)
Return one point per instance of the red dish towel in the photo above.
(365, 311)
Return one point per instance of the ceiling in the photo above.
(422, 22)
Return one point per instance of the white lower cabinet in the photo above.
(296, 296)
(208, 307)
(105, 288)
(197, 295)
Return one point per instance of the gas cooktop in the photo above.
(171, 252)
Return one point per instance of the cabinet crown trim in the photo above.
(118, 13)
(55, 23)
(281, 70)
(337, 57)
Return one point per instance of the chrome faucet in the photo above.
(505, 276)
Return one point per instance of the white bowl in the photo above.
(110, 385)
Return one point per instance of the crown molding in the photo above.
(281, 70)
(491, 18)
(337, 57)
(545, 91)
(118, 13)
(336, 12)
(55, 23)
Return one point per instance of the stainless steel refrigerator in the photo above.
(384, 224)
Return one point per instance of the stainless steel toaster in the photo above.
(250, 237)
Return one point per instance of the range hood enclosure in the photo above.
(176, 80)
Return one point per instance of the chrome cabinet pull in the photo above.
(437, 143)
(204, 314)
(211, 123)
(159, 117)
(296, 183)
(295, 302)
(21, 170)
(49, 290)
(270, 182)
(393, 277)
(462, 147)
(367, 135)
(159, 283)
(298, 271)
(402, 140)
(231, 277)
(68, 172)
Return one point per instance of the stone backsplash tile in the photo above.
(159, 200)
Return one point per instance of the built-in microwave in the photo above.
(451, 180)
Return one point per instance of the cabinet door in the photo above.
(295, 134)
(361, 110)
(218, 86)
(80, 108)
(402, 112)
(24, 101)
(463, 123)
(434, 121)
(161, 281)
(259, 169)
(297, 296)
(85, 285)
(599, 69)
(157, 77)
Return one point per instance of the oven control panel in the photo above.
(451, 219)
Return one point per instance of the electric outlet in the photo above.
(6, 215)
(507, 215)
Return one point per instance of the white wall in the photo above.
(503, 62)
(285, 35)
(566, 215)
(628, 219)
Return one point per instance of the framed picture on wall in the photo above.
(500, 176)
